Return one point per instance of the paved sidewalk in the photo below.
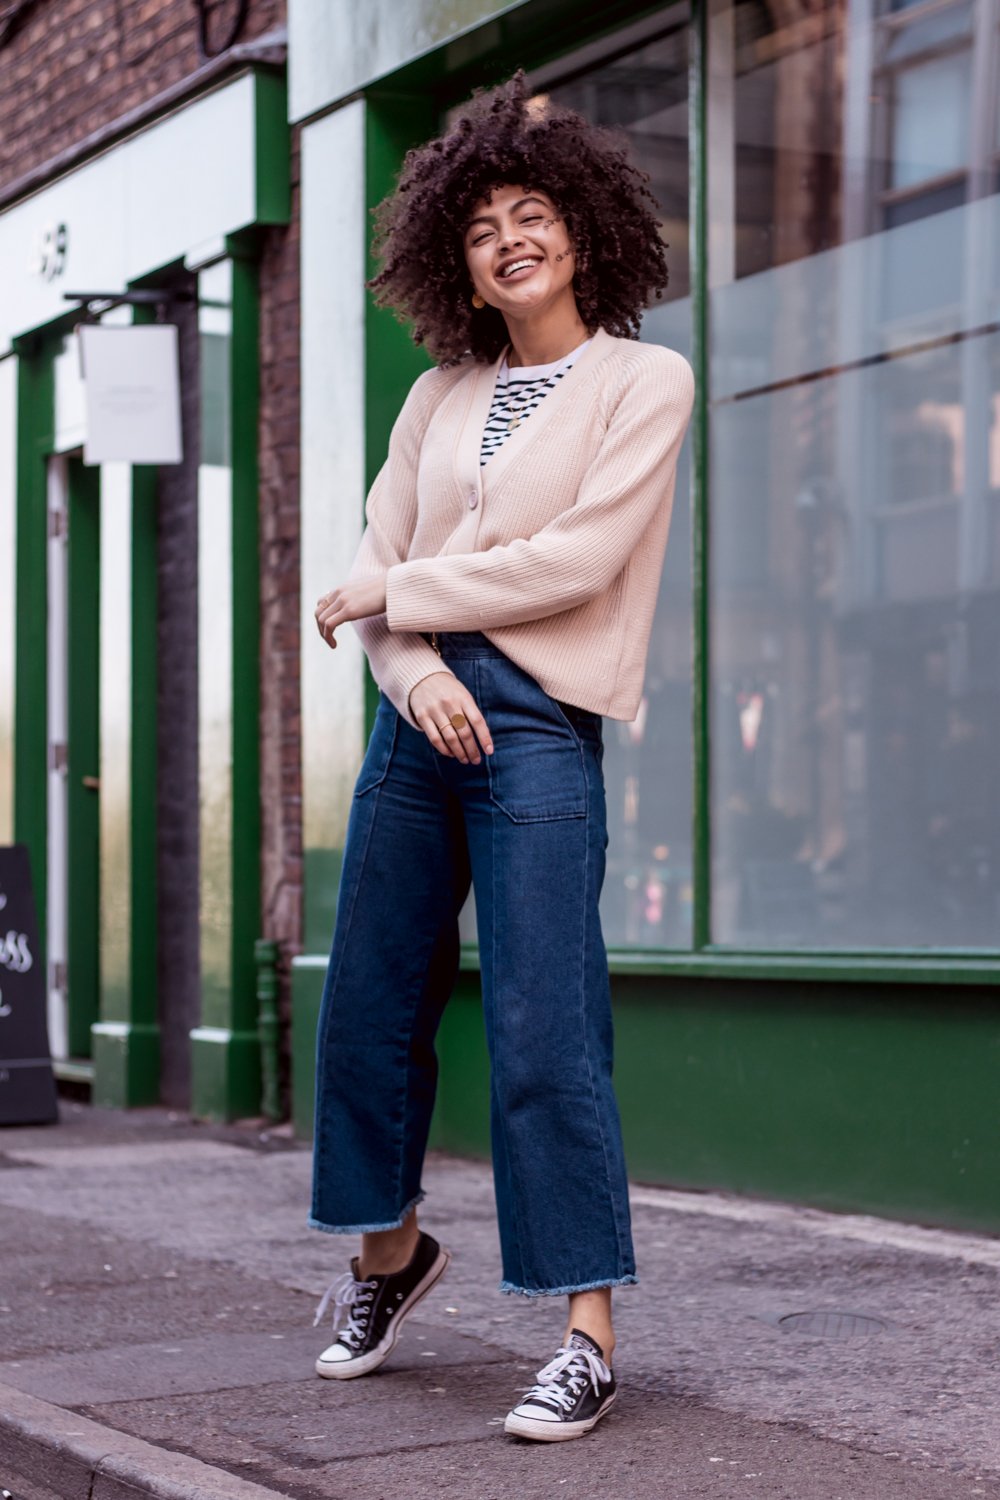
(157, 1285)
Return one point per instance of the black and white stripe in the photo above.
(515, 397)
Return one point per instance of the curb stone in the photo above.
(77, 1459)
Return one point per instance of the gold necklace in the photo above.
(514, 413)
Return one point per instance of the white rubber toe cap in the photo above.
(335, 1355)
(537, 1413)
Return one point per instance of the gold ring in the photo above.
(458, 721)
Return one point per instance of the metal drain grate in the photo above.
(832, 1325)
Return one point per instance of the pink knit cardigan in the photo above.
(554, 549)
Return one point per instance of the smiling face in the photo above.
(519, 253)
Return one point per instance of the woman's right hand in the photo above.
(433, 701)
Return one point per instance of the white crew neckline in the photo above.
(539, 372)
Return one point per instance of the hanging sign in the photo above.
(131, 387)
(27, 1087)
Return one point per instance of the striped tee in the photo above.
(516, 394)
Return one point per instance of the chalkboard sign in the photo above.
(27, 1087)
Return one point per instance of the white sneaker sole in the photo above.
(553, 1432)
(350, 1369)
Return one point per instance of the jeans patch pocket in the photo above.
(536, 771)
(381, 743)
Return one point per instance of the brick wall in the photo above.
(281, 757)
(71, 66)
(177, 892)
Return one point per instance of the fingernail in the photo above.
(476, 761)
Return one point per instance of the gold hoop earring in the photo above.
(478, 301)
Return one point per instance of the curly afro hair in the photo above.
(500, 138)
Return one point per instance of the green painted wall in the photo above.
(868, 1098)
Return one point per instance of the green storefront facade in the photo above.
(164, 219)
(803, 898)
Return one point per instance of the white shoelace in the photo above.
(351, 1305)
(580, 1367)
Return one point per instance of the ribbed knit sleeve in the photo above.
(398, 661)
(578, 554)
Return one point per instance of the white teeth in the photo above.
(517, 265)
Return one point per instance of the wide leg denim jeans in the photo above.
(527, 827)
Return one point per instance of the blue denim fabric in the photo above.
(527, 826)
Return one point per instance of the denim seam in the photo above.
(419, 996)
(537, 817)
(401, 1147)
(568, 1291)
(567, 721)
(583, 1027)
(402, 1135)
(320, 1156)
(494, 1049)
(371, 786)
(314, 1223)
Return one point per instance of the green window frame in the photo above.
(402, 111)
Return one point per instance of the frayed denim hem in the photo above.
(312, 1223)
(566, 1291)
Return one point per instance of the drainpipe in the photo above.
(266, 959)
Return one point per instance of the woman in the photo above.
(504, 593)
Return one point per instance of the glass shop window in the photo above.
(640, 86)
(854, 234)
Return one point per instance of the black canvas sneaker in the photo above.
(573, 1392)
(367, 1314)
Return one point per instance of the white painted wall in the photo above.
(340, 46)
(334, 222)
(142, 204)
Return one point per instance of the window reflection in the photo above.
(854, 484)
(648, 771)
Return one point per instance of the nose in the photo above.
(509, 240)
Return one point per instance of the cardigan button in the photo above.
(473, 499)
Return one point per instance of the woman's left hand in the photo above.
(352, 601)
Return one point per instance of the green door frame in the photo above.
(126, 1039)
(123, 1044)
(225, 1048)
(35, 441)
(83, 764)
